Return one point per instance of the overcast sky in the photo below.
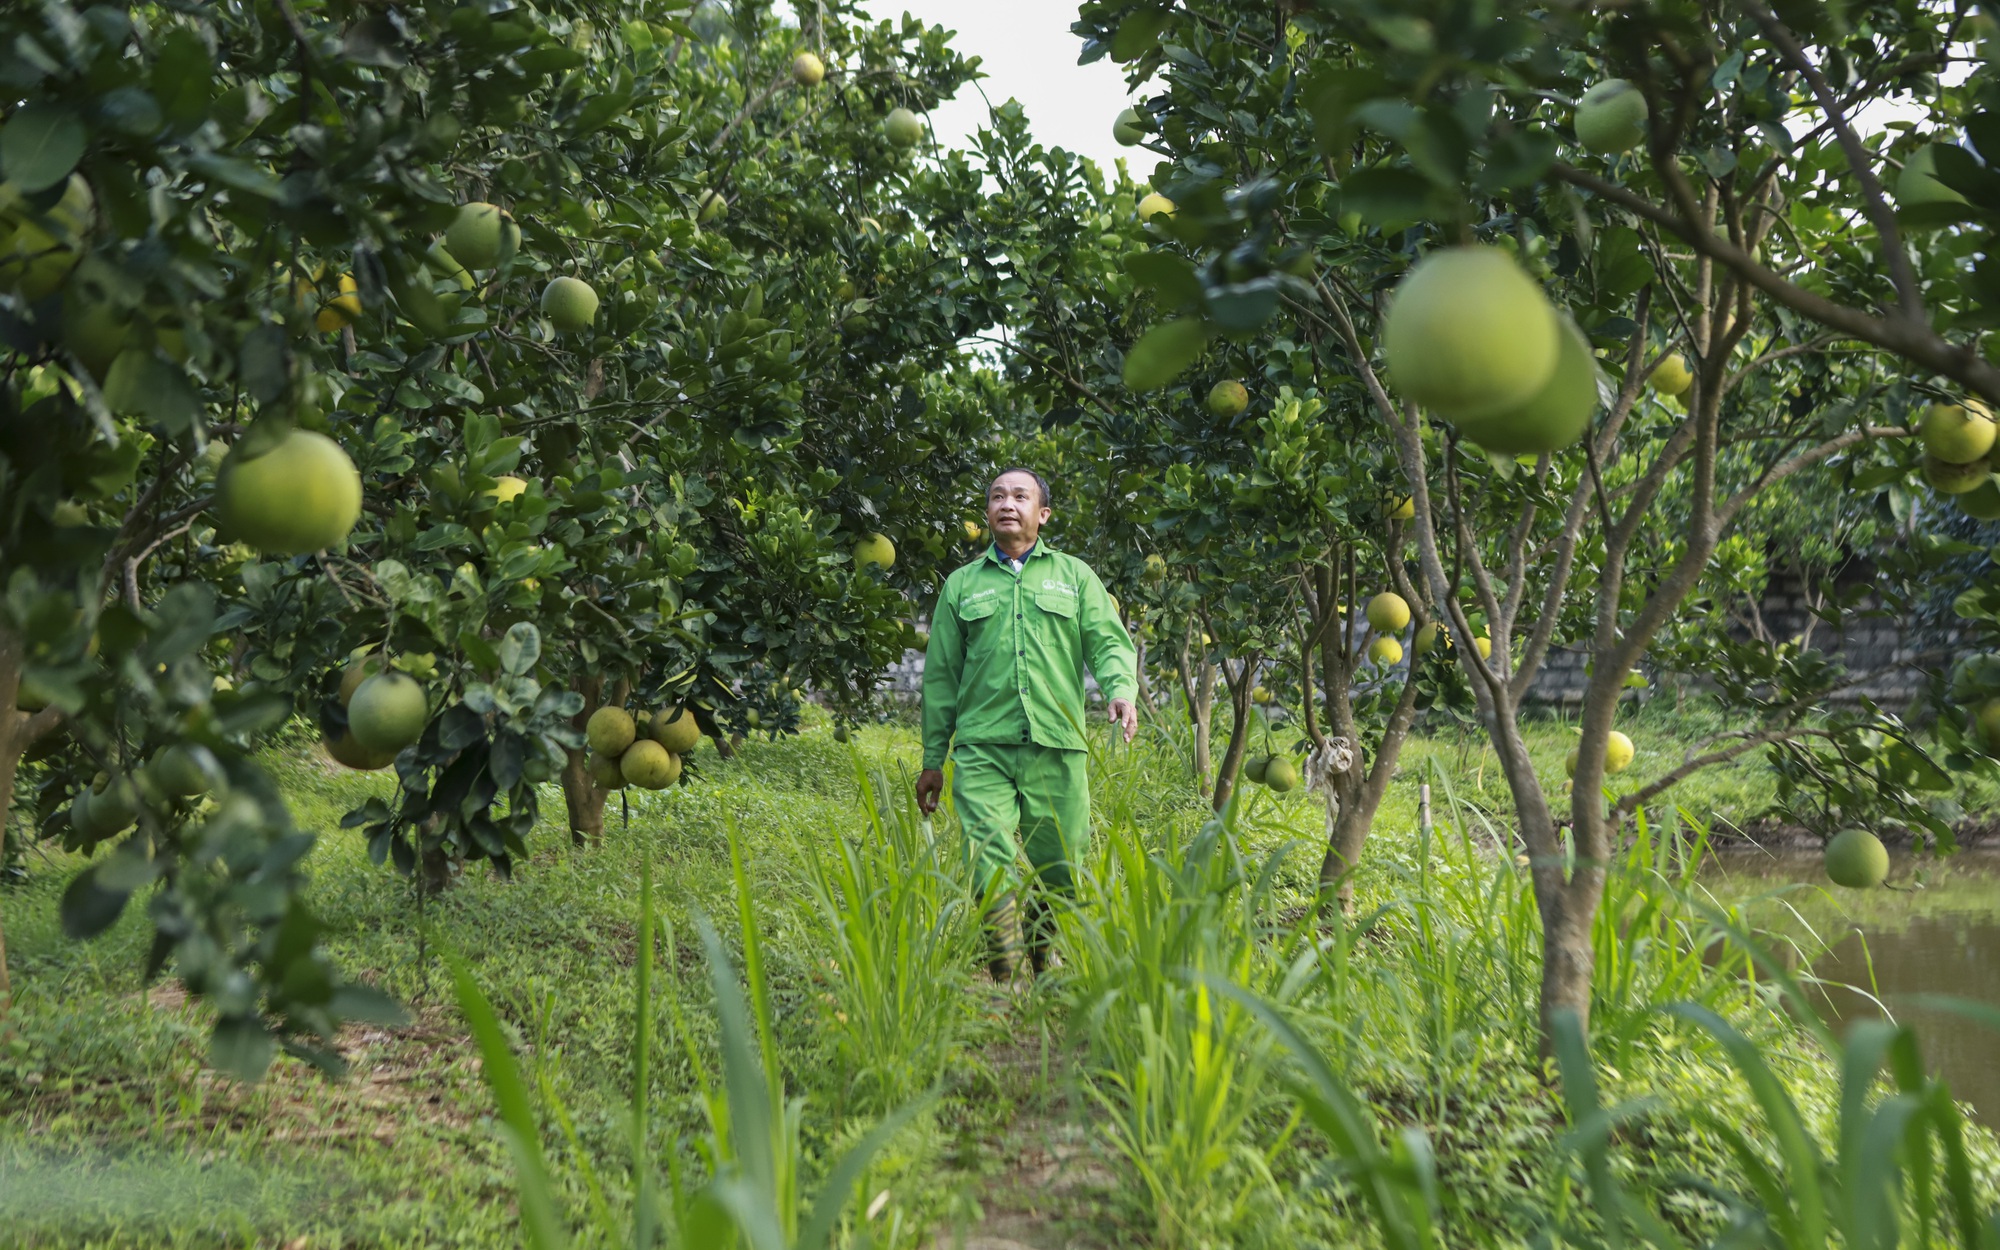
(1028, 54)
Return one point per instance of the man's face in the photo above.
(1014, 507)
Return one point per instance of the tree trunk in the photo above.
(581, 795)
(18, 731)
(1239, 735)
(1568, 957)
(1353, 816)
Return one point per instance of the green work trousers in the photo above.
(1012, 798)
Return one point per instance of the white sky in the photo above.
(1027, 52)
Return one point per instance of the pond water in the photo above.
(1936, 932)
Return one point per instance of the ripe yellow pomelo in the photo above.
(1618, 753)
(1406, 510)
(649, 765)
(610, 730)
(343, 309)
(1261, 694)
(1556, 416)
(808, 70)
(349, 753)
(675, 729)
(479, 234)
(1485, 646)
(1385, 652)
(974, 531)
(1856, 859)
(1388, 612)
(1153, 204)
(1469, 334)
(1611, 117)
(1917, 183)
(569, 304)
(1957, 433)
(1129, 128)
(388, 712)
(507, 487)
(1227, 398)
(875, 549)
(606, 773)
(1280, 774)
(1956, 479)
(903, 128)
(1671, 376)
(302, 495)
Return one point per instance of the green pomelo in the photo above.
(903, 128)
(1947, 478)
(1856, 858)
(1255, 767)
(1671, 376)
(177, 773)
(1611, 118)
(875, 549)
(348, 753)
(1557, 415)
(1986, 722)
(649, 765)
(94, 328)
(1470, 334)
(358, 670)
(1227, 398)
(1426, 639)
(388, 712)
(106, 810)
(1130, 128)
(675, 729)
(808, 70)
(1281, 775)
(713, 206)
(569, 304)
(1388, 612)
(302, 495)
(1957, 433)
(605, 772)
(478, 235)
(610, 730)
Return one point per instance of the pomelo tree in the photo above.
(1739, 229)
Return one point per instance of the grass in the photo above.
(1145, 1098)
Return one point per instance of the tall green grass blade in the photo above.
(517, 1118)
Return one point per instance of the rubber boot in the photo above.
(1003, 940)
(1041, 936)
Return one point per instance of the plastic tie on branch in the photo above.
(1328, 760)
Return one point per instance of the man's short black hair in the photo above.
(1041, 483)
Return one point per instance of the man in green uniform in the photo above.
(1003, 695)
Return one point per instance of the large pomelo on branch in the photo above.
(1618, 752)
(479, 235)
(1254, 767)
(1388, 612)
(649, 765)
(1671, 376)
(675, 729)
(301, 495)
(1227, 398)
(610, 730)
(1385, 652)
(808, 70)
(1469, 334)
(875, 549)
(570, 304)
(1957, 433)
(1129, 128)
(1281, 774)
(1947, 478)
(175, 772)
(1153, 204)
(1556, 416)
(1856, 858)
(903, 128)
(388, 712)
(348, 753)
(605, 771)
(1611, 117)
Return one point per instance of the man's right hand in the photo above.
(930, 787)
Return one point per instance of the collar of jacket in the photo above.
(1041, 547)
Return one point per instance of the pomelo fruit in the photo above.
(1153, 204)
(1470, 334)
(1254, 768)
(610, 730)
(1262, 694)
(1388, 613)
(348, 753)
(1957, 433)
(1280, 774)
(1129, 128)
(1982, 503)
(1986, 723)
(842, 734)
(808, 70)
(1556, 416)
(445, 265)
(1856, 859)
(94, 328)
(1406, 510)
(1385, 652)
(1227, 398)
(358, 670)
(1156, 567)
(507, 487)
(388, 712)
(903, 128)
(1671, 376)
(1485, 646)
(342, 310)
(712, 206)
(569, 304)
(649, 765)
(974, 531)
(1611, 118)
(1618, 753)
(478, 235)
(675, 729)
(302, 495)
(605, 772)
(1956, 479)
(921, 639)
(1569, 761)
(875, 549)
(110, 807)
(177, 773)
(1917, 182)
(1426, 639)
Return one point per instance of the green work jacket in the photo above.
(1007, 650)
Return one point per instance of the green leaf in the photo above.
(1387, 197)
(1170, 276)
(242, 1047)
(40, 145)
(1139, 33)
(521, 649)
(1163, 352)
(88, 908)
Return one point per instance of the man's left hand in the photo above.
(1123, 713)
